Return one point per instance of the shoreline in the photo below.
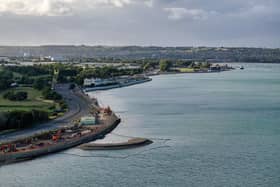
(198, 72)
(108, 125)
(41, 147)
(14, 157)
(120, 85)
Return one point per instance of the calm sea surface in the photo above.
(224, 130)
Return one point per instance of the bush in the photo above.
(164, 65)
(16, 96)
(25, 80)
(52, 107)
(40, 83)
(51, 95)
(30, 70)
(72, 86)
(21, 119)
(63, 105)
(6, 78)
(3, 121)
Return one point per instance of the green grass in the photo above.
(34, 101)
(7, 131)
(186, 70)
(17, 75)
(41, 76)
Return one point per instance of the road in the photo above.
(78, 106)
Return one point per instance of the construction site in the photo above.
(85, 130)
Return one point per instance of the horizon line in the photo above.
(143, 46)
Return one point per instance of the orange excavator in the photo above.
(8, 148)
(108, 110)
(57, 136)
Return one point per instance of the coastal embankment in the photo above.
(119, 85)
(38, 148)
(132, 143)
(60, 139)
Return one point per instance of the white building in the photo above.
(88, 120)
(99, 82)
(58, 59)
(88, 82)
(4, 59)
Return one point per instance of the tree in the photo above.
(146, 66)
(51, 95)
(72, 86)
(6, 78)
(21, 119)
(25, 80)
(40, 83)
(164, 65)
(16, 96)
(3, 121)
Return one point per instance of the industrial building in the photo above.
(88, 120)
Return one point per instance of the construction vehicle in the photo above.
(108, 110)
(8, 148)
(56, 136)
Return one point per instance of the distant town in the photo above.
(110, 54)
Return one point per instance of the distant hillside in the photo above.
(136, 52)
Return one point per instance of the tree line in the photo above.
(16, 96)
(6, 79)
(21, 119)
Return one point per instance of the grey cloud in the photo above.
(195, 14)
(59, 7)
(138, 22)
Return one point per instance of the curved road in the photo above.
(78, 106)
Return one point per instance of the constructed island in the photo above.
(131, 143)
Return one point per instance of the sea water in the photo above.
(209, 129)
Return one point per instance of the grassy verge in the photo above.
(4, 132)
(16, 115)
(186, 70)
(34, 101)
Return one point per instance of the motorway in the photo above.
(78, 106)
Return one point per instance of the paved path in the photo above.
(78, 106)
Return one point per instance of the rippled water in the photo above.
(224, 130)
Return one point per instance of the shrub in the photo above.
(51, 95)
(72, 86)
(40, 83)
(21, 119)
(16, 96)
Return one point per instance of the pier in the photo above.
(132, 143)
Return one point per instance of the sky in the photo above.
(228, 23)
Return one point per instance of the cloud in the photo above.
(35, 7)
(58, 7)
(257, 10)
(149, 3)
(117, 3)
(180, 13)
(140, 22)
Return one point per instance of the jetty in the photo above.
(132, 143)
